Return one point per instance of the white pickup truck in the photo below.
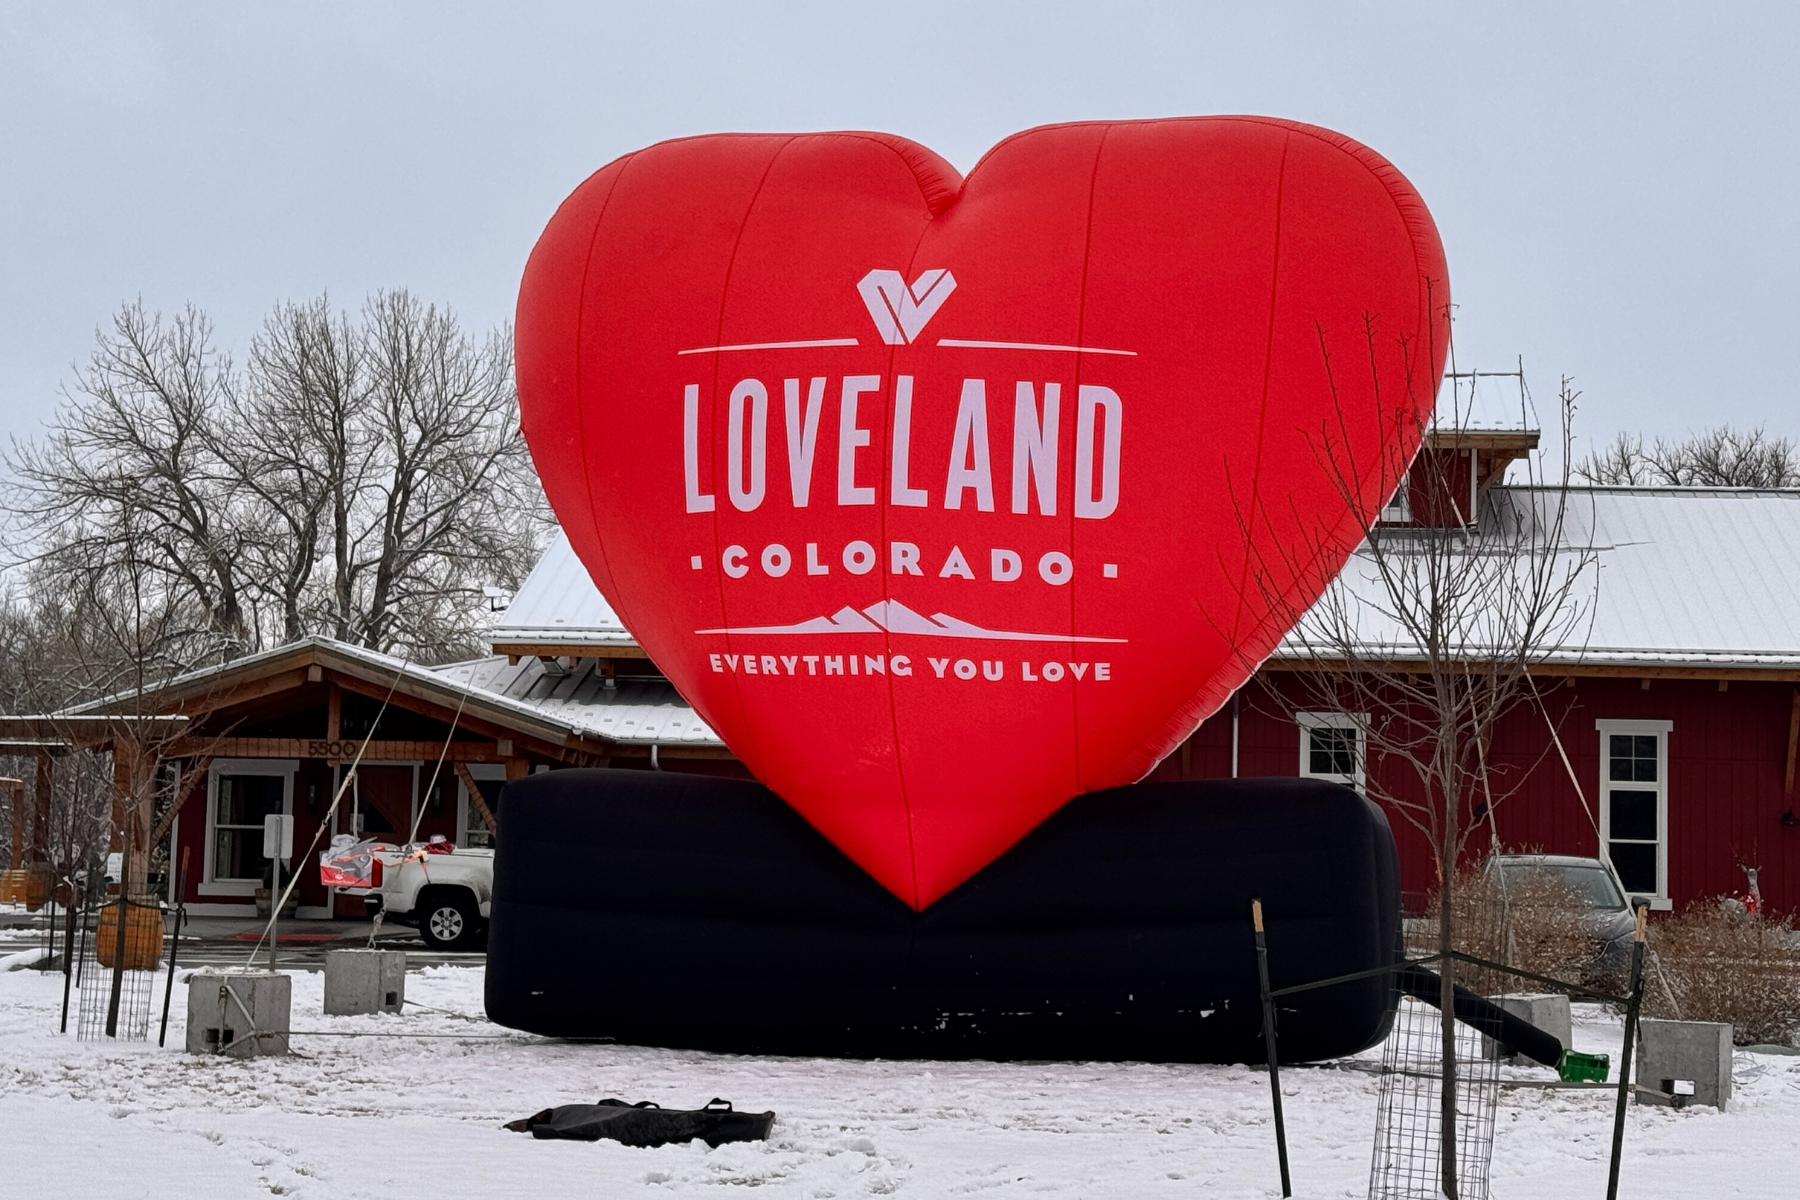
(445, 891)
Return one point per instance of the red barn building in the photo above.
(1678, 716)
(1666, 738)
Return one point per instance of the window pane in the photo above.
(1331, 752)
(247, 799)
(1633, 815)
(1636, 864)
(237, 854)
(476, 834)
(1631, 758)
(1619, 751)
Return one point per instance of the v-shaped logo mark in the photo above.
(900, 312)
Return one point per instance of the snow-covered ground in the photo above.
(391, 1117)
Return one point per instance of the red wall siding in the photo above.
(1727, 757)
(190, 835)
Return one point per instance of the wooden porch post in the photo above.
(134, 796)
(40, 825)
(15, 802)
(517, 765)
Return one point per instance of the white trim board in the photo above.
(285, 768)
(1605, 729)
(1359, 722)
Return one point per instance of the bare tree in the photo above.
(449, 492)
(85, 663)
(286, 435)
(1621, 461)
(363, 478)
(1429, 635)
(1722, 457)
(129, 470)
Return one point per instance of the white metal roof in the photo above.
(1702, 577)
(1484, 402)
(1707, 576)
(1692, 577)
(559, 604)
(639, 711)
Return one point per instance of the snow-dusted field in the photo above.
(396, 1117)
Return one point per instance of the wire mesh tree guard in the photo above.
(1408, 1160)
(118, 954)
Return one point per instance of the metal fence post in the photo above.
(1268, 1017)
(1631, 1018)
(174, 943)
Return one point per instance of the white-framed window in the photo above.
(1332, 746)
(240, 792)
(1634, 804)
(1398, 509)
(490, 778)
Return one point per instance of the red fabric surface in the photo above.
(1224, 260)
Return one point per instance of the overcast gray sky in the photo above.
(1615, 183)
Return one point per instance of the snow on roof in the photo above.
(639, 711)
(1693, 577)
(1701, 577)
(558, 603)
(636, 711)
(1482, 401)
(1707, 576)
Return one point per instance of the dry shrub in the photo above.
(1721, 965)
(1531, 921)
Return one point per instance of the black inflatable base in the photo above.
(677, 910)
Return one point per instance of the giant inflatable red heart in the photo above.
(944, 500)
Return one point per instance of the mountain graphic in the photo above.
(892, 616)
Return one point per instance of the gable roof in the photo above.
(632, 712)
(559, 610)
(1703, 577)
(576, 712)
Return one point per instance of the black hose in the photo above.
(1515, 1033)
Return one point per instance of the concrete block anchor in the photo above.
(1549, 1011)
(243, 1014)
(1683, 1062)
(364, 981)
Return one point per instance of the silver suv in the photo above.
(1608, 917)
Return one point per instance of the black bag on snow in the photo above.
(646, 1124)
(679, 910)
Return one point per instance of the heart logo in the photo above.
(899, 311)
(933, 577)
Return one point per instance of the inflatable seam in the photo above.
(1421, 234)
